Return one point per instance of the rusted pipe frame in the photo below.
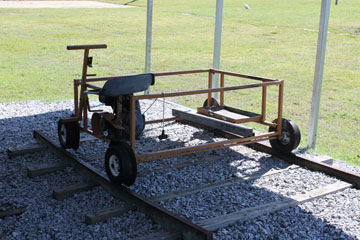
(181, 72)
(204, 91)
(98, 79)
(162, 216)
(263, 104)
(93, 86)
(244, 76)
(210, 77)
(203, 147)
(222, 89)
(280, 107)
(222, 84)
(269, 124)
(160, 74)
(90, 132)
(210, 146)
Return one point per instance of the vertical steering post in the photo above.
(83, 96)
(82, 106)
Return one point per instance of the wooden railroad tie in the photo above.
(68, 191)
(45, 168)
(12, 212)
(105, 214)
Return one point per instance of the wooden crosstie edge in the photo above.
(215, 223)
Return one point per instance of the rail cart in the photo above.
(124, 124)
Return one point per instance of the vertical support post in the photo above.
(217, 44)
(83, 96)
(222, 83)
(210, 86)
(263, 104)
(132, 122)
(148, 38)
(76, 96)
(318, 75)
(280, 106)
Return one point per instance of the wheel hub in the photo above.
(114, 163)
(63, 132)
(285, 137)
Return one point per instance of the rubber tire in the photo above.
(294, 137)
(213, 103)
(127, 162)
(72, 134)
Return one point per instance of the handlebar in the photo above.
(79, 47)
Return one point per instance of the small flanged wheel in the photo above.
(213, 103)
(120, 163)
(291, 136)
(69, 134)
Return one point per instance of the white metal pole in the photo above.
(217, 43)
(318, 75)
(148, 37)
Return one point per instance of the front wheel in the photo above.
(120, 163)
(291, 137)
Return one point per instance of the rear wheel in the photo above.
(120, 163)
(291, 137)
(69, 134)
(213, 103)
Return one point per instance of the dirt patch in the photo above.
(59, 4)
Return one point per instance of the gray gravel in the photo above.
(335, 216)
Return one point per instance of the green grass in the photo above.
(275, 40)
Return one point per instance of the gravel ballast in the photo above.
(335, 216)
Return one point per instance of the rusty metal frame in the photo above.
(82, 106)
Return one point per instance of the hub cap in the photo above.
(114, 163)
(63, 133)
(285, 137)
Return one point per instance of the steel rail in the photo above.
(160, 215)
(344, 175)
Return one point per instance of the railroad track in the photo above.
(177, 226)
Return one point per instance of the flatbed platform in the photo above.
(229, 114)
(220, 124)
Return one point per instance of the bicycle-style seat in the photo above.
(125, 85)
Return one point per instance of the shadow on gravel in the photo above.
(291, 223)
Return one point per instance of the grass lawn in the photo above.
(273, 39)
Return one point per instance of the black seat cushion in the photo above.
(127, 85)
